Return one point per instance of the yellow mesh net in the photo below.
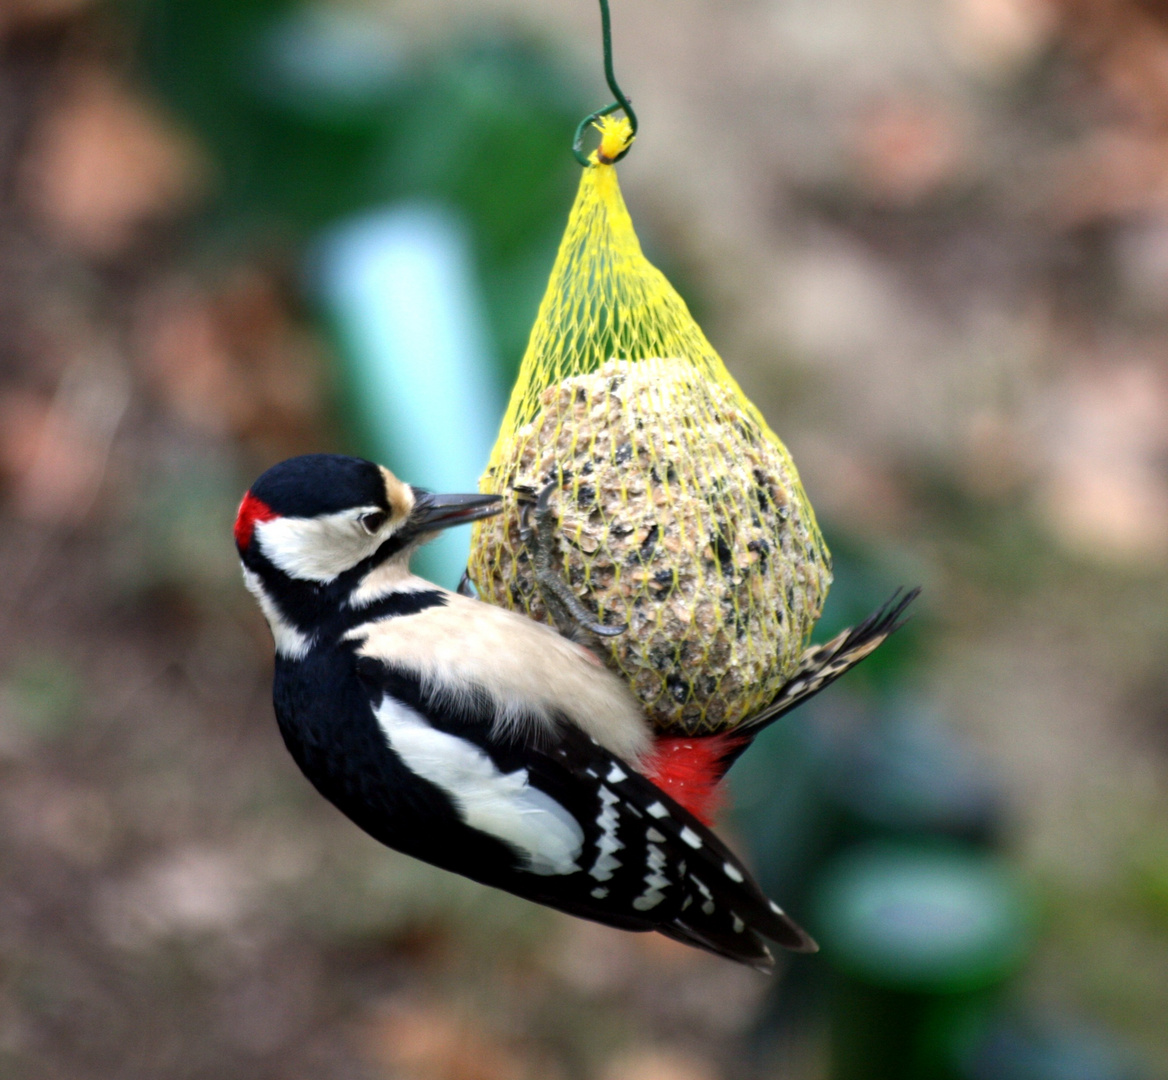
(679, 511)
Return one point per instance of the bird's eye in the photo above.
(372, 523)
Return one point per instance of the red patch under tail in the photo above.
(689, 770)
(251, 511)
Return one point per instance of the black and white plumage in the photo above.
(469, 736)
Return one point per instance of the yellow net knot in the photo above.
(616, 136)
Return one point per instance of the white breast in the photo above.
(530, 671)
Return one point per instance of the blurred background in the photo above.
(929, 237)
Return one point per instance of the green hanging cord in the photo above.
(621, 102)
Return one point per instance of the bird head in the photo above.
(312, 528)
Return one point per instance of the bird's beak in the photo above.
(433, 512)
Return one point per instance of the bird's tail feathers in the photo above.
(690, 767)
(745, 948)
(732, 920)
(821, 665)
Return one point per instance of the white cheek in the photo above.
(315, 549)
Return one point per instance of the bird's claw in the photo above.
(573, 620)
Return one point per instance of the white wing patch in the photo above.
(504, 805)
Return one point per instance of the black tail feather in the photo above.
(745, 948)
(821, 665)
(743, 940)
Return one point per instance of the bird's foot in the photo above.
(467, 586)
(573, 620)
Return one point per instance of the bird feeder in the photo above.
(679, 513)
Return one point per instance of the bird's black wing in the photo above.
(705, 896)
(585, 832)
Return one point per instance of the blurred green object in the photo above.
(843, 772)
(919, 938)
(904, 773)
(933, 919)
(313, 112)
(1150, 875)
(1027, 1049)
(398, 287)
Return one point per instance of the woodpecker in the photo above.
(485, 743)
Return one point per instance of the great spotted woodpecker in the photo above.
(485, 743)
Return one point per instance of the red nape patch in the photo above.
(689, 771)
(251, 510)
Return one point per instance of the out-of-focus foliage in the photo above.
(316, 111)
